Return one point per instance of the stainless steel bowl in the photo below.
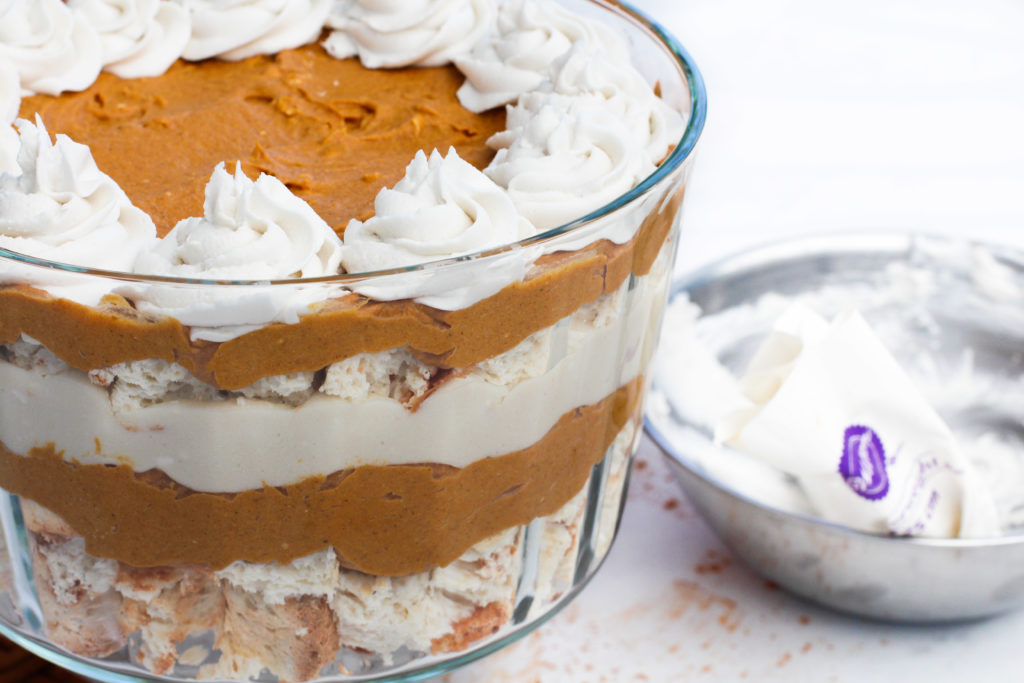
(883, 577)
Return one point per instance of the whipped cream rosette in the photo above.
(587, 134)
(584, 78)
(60, 207)
(137, 37)
(831, 407)
(249, 231)
(443, 207)
(388, 34)
(236, 29)
(52, 48)
(517, 56)
(562, 163)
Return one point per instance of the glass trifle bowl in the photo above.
(377, 468)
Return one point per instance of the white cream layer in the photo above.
(241, 444)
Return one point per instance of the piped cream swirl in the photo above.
(620, 90)
(590, 132)
(516, 57)
(563, 163)
(61, 207)
(249, 231)
(237, 29)
(138, 37)
(388, 34)
(581, 79)
(52, 48)
(443, 207)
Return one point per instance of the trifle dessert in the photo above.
(323, 325)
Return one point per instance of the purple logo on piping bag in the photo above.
(863, 463)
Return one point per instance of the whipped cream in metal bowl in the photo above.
(584, 127)
(882, 396)
(845, 412)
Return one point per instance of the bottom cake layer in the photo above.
(314, 617)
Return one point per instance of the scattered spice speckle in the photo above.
(713, 563)
(784, 659)
(690, 593)
(804, 619)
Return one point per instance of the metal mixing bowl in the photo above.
(884, 577)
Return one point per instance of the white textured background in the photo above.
(828, 115)
(823, 116)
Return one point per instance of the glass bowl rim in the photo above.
(696, 116)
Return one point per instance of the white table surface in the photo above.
(823, 116)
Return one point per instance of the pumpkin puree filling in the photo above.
(316, 123)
